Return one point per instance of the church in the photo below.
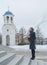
(8, 29)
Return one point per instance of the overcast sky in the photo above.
(27, 13)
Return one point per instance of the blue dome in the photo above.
(8, 13)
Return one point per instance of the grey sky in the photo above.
(27, 13)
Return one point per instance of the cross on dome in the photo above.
(8, 12)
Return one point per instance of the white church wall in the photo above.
(11, 33)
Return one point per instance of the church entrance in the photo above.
(7, 40)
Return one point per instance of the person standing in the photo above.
(31, 39)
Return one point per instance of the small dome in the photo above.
(8, 13)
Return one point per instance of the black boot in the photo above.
(33, 58)
(33, 54)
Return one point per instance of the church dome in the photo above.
(8, 13)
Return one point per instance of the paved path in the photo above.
(25, 53)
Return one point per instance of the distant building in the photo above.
(39, 40)
(19, 39)
(45, 41)
(26, 40)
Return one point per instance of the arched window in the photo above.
(11, 19)
(7, 19)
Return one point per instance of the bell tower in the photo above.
(8, 29)
(8, 17)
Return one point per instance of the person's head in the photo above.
(31, 29)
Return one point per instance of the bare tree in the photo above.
(39, 36)
(22, 31)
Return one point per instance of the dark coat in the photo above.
(32, 40)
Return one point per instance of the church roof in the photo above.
(8, 13)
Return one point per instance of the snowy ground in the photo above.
(41, 51)
(26, 47)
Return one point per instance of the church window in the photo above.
(11, 19)
(7, 19)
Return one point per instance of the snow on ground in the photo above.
(26, 47)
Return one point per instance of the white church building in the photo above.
(8, 29)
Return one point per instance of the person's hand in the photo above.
(28, 36)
